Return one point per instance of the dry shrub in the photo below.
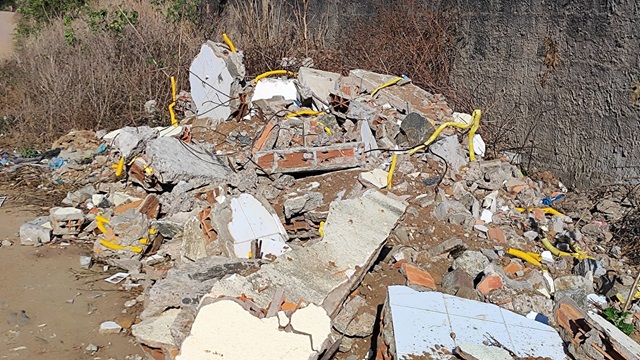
(102, 80)
(270, 30)
(405, 38)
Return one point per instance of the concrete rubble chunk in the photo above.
(450, 150)
(187, 283)
(35, 232)
(471, 262)
(321, 83)
(325, 272)
(433, 324)
(173, 160)
(215, 75)
(301, 204)
(79, 196)
(375, 177)
(130, 141)
(246, 218)
(351, 321)
(155, 332)
(224, 330)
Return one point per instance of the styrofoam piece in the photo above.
(425, 321)
(268, 88)
(479, 146)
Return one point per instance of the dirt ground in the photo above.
(7, 25)
(50, 308)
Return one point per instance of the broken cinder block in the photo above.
(66, 220)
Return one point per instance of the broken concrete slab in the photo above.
(155, 332)
(35, 232)
(130, 141)
(173, 160)
(246, 218)
(425, 323)
(321, 83)
(225, 330)
(325, 272)
(187, 283)
(215, 75)
(376, 177)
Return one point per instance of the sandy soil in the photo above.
(49, 307)
(7, 25)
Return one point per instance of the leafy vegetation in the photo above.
(617, 317)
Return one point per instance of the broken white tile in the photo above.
(422, 320)
(486, 216)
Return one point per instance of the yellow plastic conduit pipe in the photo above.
(273, 72)
(547, 210)
(477, 114)
(174, 122)
(555, 251)
(117, 247)
(387, 84)
(392, 169)
(228, 42)
(524, 256)
(303, 113)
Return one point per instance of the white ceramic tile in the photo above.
(417, 331)
(533, 342)
(405, 296)
(513, 319)
(472, 309)
(474, 331)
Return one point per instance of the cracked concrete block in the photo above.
(450, 149)
(186, 283)
(325, 272)
(225, 330)
(173, 160)
(322, 83)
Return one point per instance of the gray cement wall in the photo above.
(580, 115)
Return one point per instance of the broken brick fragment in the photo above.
(489, 284)
(513, 268)
(418, 277)
(496, 233)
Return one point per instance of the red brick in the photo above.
(489, 283)
(513, 268)
(496, 233)
(418, 277)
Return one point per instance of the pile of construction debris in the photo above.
(296, 216)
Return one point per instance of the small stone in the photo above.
(455, 280)
(376, 177)
(126, 321)
(7, 243)
(482, 352)
(86, 262)
(110, 327)
(531, 235)
(445, 246)
(130, 303)
(92, 348)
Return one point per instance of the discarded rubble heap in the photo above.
(256, 227)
